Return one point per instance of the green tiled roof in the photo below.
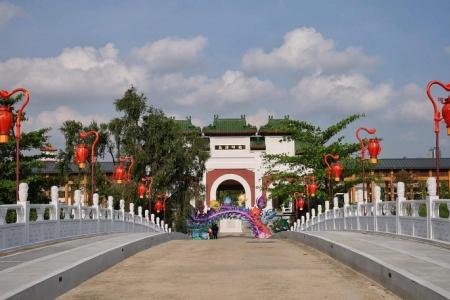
(257, 143)
(411, 164)
(275, 127)
(187, 126)
(221, 126)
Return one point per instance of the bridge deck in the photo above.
(62, 265)
(423, 262)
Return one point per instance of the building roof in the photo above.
(50, 167)
(229, 127)
(275, 126)
(410, 164)
(187, 126)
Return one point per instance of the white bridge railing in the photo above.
(66, 221)
(416, 218)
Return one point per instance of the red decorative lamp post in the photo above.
(81, 155)
(82, 164)
(299, 203)
(6, 122)
(374, 149)
(119, 174)
(311, 187)
(437, 119)
(334, 170)
(125, 159)
(149, 181)
(158, 206)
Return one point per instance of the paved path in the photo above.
(229, 268)
(426, 262)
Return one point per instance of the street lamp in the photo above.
(82, 148)
(6, 122)
(374, 148)
(149, 183)
(310, 187)
(437, 119)
(299, 203)
(334, 170)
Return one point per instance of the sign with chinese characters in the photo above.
(230, 147)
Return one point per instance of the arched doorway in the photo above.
(232, 179)
(231, 189)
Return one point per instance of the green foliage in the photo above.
(30, 144)
(315, 143)
(279, 224)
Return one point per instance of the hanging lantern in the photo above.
(159, 206)
(312, 189)
(374, 149)
(6, 121)
(336, 170)
(141, 190)
(446, 113)
(119, 174)
(81, 155)
(300, 203)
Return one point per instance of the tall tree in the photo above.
(314, 144)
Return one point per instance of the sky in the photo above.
(317, 61)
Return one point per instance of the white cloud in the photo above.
(260, 117)
(233, 87)
(340, 93)
(169, 54)
(8, 12)
(410, 105)
(305, 49)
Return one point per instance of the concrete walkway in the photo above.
(412, 268)
(229, 268)
(48, 271)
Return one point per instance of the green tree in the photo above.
(314, 144)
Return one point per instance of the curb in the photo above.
(67, 278)
(402, 283)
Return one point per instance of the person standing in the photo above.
(215, 230)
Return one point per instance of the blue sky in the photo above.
(314, 60)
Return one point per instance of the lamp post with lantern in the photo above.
(310, 188)
(334, 170)
(6, 122)
(81, 154)
(437, 119)
(299, 203)
(149, 184)
(374, 149)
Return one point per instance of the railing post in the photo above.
(122, 214)
(398, 209)
(346, 205)
(157, 223)
(77, 198)
(302, 227)
(54, 213)
(140, 217)
(132, 216)
(96, 209)
(23, 214)
(111, 212)
(377, 199)
(335, 209)
(152, 220)
(432, 196)
(147, 220)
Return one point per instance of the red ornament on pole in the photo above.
(6, 122)
(119, 174)
(336, 170)
(81, 155)
(374, 149)
(446, 113)
(159, 206)
(300, 203)
(312, 189)
(141, 190)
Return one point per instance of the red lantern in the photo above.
(81, 155)
(336, 170)
(119, 174)
(159, 206)
(374, 149)
(312, 189)
(141, 190)
(6, 121)
(446, 113)
(300, 203)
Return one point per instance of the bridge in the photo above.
(76, 251)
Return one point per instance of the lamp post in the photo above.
(149, 184)
(84, 135)
(437, 119)
(310, 188)
(164, 206)
(335, 169)
(374, 149)
(299, 203)
(6, 122)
